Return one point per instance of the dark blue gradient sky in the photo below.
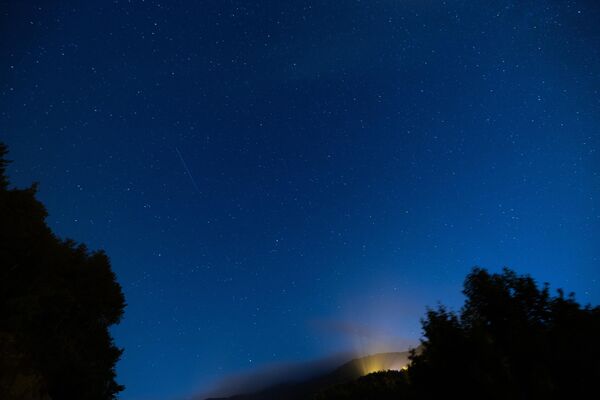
(280, 181)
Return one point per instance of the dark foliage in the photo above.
(511, 340)
(383, 385)
(57, 301)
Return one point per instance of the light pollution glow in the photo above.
(383, 362)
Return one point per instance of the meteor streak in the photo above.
(189, 173)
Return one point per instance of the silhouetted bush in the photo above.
(382, 385)
(510, 340)
(57, 301)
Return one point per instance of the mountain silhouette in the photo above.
(347, 372)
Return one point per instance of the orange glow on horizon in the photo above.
(374, 364)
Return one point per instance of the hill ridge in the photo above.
(346, 372)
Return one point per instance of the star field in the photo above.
(259, 172)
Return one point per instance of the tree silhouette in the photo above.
(511, 340)
(57, 301)
(381, 385)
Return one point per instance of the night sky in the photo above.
(276, 182)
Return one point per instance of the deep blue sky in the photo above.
(268, 177)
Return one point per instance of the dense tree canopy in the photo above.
(510, 340)
(57, 301)
(381, 385)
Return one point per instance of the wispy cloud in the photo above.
(272, 374)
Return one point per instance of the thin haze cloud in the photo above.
(273, 374)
